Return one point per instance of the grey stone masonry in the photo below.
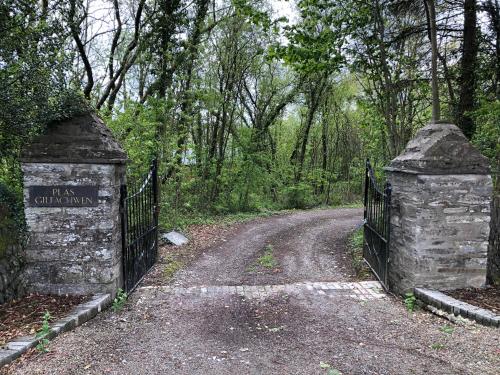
(440, 212)
(74, 250)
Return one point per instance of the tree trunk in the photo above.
(466, 102)
(436, 106)
(74, 26)
(492, 8)
(324, 149)
(494, 247)
(389, 96)
(186, 96)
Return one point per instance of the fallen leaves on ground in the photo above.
(487, 298)
(23, 317)
(200, 237)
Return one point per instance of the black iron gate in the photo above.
(376, 225)
(139, 218)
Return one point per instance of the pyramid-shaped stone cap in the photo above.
(440, 148)
(83, 139)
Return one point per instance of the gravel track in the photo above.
(308, 245)
(163, 332)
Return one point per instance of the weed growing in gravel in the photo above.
(252, 268)
(447, 329)
(119, 301)
(42, 333)
(437, 346)
(267, 260)
(410, 302)
(328, 367)
(324, 365)
(172, 267)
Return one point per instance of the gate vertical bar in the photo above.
(139, 213)
(124, 225)
(376, 225)
(366, 189)
(156, 209)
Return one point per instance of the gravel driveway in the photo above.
(304, 316)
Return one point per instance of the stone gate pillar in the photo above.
(441, 195)
(72, 178)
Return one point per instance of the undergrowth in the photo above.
(181, 219)
(355, 246)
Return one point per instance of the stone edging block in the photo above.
(457, 307)
(80, 314)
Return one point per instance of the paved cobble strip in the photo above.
(361, 291)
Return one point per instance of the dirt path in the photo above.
(307, 246)
(225, 315)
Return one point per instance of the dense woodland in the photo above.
(245, 109)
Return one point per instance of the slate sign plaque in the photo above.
(63, 196)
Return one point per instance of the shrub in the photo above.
(298, 196)
(12, 223)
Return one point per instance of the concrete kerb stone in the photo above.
(81, 314)
(454, 306)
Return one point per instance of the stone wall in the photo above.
(75, 250)
(439, 231)
(440, 214)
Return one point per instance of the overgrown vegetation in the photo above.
(181, 222)
(355, 246)
(12, 224)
